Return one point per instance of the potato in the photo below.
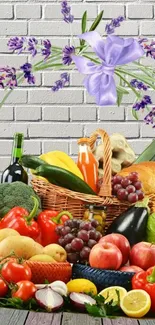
(43, 258)
(6, 232)
(56, 251)
(22, 246)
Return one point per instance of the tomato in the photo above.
(25, 291)
(14, 272)
(3, 288)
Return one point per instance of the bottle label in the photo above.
(17, 152)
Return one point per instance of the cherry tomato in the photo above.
(25, 291)
(3, 288)
(14, 272)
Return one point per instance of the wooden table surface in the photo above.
(22, 317)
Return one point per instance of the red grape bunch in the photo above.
(78, 237)
(127, 188)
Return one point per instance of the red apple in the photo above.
(105, 256)
(131, 268)
(121, 242)
(143, 255)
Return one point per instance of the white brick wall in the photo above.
(46, 118)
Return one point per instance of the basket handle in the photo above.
(105, 189)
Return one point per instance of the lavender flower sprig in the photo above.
(150, 118)
(115, 22)
(61, 83)
(8, 77)
(27, 69)
(66, 11)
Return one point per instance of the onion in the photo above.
(49, 299)
(79, 300)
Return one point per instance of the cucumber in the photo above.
(63, 178)
(30, 161)
(148, 154)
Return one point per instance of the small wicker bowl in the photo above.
(102, 278)
(42, 271)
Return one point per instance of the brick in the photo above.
(111, 113)
(6, 11)
(27, 11)
(12, 28)
(64, 96)
(7, 130)
(147, 131)
(3, 45)
(112, 11)
(16, 97)
(56, 113)
(4, 163)
(5, 147)
(13, 60)
(139, 145)
(53, 28)
(83, 113)
(32, 147)
(147, 28)
(140, 11)
(6, 113)
(55, 130)
(49, 145)
(129, 130)
(129, 116)
(74, 148)
(32, 113)
(77, 79)
(54, 11)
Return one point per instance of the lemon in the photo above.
(111, 294)
(136, 303)
(82, 285)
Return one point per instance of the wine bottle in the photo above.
(15, 172)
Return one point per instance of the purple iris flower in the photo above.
(67, 54)
(27, 69)
(114, 51)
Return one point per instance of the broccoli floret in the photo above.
(16, 194)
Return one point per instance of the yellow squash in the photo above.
(62, 160)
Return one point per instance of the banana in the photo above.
(61, 159)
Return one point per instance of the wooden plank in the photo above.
(119, 321)
(36, 318)
(146, 321)
(79, 319)
(12, 316)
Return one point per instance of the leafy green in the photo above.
(134, 114)
(96, 21)
(83, 28)
(18, 303)
(110, 309)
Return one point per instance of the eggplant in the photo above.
(132, 224)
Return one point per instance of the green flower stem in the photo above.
(135, 76)
(47, 66)
(49, 58)
(128, 83)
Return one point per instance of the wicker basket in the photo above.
(42, 271)
(59, 198)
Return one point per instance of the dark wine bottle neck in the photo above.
(17, 149)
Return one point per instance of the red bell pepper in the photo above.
(48, 220)
(22, 221)
(146, 280)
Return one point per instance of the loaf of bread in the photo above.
(146, 172)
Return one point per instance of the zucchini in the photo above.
(30, 161)
(148, 154)
(63, 178)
